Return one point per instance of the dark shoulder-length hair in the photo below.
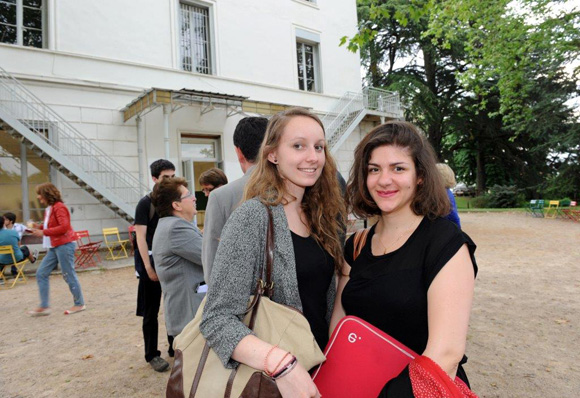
(430, 197)
(49, 192)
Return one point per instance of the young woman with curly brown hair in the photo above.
(414, 277)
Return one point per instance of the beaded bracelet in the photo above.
(266, 358)
(287, 369)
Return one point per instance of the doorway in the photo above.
(198, 154)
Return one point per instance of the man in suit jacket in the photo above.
(177, 252)
(248, 137)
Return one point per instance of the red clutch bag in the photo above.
(360, 360)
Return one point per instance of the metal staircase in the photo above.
(29, 120)
(352, 107)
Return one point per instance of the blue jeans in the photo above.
(65, 256)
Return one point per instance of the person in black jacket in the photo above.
(149, 293)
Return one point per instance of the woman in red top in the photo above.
(59, 240)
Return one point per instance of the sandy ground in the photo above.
(523, 339)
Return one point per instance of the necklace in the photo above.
(387, 248)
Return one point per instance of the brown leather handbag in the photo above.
(197, 370)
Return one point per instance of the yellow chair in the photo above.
(19, 278)
(115, 244)
(552, 210)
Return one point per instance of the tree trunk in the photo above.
(435, 130)
(480, 166)
(374, 65)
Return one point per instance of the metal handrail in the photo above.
(382, 100)
(20, 103)
(347, 109)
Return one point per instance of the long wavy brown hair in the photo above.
(49, 192)
(322, 204)
(430, 197)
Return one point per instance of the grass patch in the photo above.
(462, 202)
(472, 210)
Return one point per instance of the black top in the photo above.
(314, 271)
(142, 213)
(142, 218)
(390, 291)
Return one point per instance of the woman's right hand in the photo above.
(297, 384)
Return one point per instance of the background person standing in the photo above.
(177, 252)
(149, 292)
(248, 137)
(212, 179)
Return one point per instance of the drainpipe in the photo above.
(166, 113)
(24, 182)
(141, 152)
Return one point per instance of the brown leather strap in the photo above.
(269, 288)
(175, 383)
(254, 314)
(199, 371)
(360, 238)
(262, 288)
(230, 384)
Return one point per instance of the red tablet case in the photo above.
(360, 359)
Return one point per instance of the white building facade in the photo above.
(149, 79)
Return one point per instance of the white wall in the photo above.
(135, 44)
(124, 30)
(257, 41)
(103, 54)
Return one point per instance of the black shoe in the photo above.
(159, 364)
(171, 353)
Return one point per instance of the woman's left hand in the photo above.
(37, 232)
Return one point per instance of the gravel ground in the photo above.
(524, 325)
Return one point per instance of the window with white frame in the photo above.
(195, 38)
(307, 55)
(22, 22)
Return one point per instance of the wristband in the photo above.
(277, 365)
(286, 369)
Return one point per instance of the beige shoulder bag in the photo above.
(197, 370)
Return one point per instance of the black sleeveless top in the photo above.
(390, 291)
(314, 271)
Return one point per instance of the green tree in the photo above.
(485, 81)
(392, 31)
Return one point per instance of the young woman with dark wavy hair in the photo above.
(414, 277)
(296, 177)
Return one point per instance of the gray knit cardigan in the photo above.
(235, 273)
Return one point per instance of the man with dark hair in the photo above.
(149, 293)
(248, 137)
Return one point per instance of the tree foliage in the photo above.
(488, 82)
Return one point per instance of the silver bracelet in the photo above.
(286, 370)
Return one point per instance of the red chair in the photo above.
(573, 215)
(87, 254)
